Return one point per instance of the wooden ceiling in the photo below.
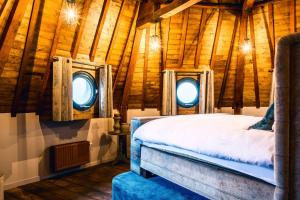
(194, 35)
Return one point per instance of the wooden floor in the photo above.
(92, 183)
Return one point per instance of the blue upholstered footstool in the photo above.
(129, 186)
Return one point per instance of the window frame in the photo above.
(196, 83)
(92, 81)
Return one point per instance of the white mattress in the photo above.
(217, 135)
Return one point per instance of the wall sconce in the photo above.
(155, 41)
(71, 13)
(246, 46)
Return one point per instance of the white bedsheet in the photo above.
(218, 135)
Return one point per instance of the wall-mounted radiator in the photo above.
(69, 155)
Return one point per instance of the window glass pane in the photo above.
(82, 90)
(187, 92)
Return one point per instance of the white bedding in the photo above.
(218, 135)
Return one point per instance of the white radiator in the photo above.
(1, 187)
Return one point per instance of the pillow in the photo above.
(267, 122)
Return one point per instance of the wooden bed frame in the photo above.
(217, 183)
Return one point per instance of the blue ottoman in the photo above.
(129, 186)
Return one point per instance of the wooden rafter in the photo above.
(204, 20)
(122, 62)
(221, 6)
(293, 16)
(3, 6)
(130, 71)
(271, 23)
(145, 71)
(80, 28)
(216, 40)
(239, 80)
(228, 62)
(29, 42)
(171, 9)
(269, 36)
(99, 29)
(116, 32)
(50, 56)
(183, 36)
(10, 30)
(255, 74)
(165, 44)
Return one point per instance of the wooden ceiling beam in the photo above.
(116, 32)
(80, 28)
(254, 62)
(122, 62)
(269, 36)
(183, 36)
(271, 23)
(216, 40)
(99, 29)
(240, 70)
(145, 70)
(221, 6)
(3, 6)
(228, 62)
(29, 42)
(166, 44)
(154, 15)
(130, 71)
(50, 56)
(293, 16)
(10, 30)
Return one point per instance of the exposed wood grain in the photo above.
(204, 20)
(50, 56)
(10, 30)
(122, 62)
(183, 36)
(26, 54)
(3, 6)
(80, 28)
(223, 6)
(99, 29)
(130, 71)
(145, 71)
(269, 36)
(293, 16)
(271, 23)
(216, 40)
(165, 44)
(254, 62)
(116, 31)
(228, 62)
(239, 79)
(171, 9)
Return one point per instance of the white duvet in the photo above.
(218, 135)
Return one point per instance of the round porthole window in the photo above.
(84, 90)
(187, 92)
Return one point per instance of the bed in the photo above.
(218, 175)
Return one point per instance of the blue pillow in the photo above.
(267, 122)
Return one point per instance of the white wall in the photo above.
(24, 142)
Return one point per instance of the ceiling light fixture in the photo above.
(155, 41)
(246, 47)
(71, 13)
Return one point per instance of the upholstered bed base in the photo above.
(207, 180)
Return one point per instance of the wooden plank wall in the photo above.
(171, 31)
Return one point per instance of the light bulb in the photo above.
(71, 13)
(155, 42)
(246, 47)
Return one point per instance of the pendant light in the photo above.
(155, 41)
(71, 13)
